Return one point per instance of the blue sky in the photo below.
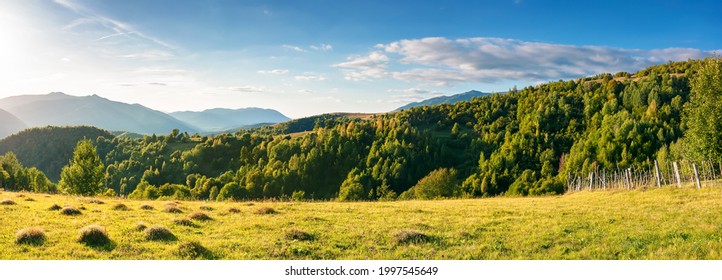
(310, 57)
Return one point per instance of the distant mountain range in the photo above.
(227, 119)
(9, 124)
(450, 99)
(59, 109)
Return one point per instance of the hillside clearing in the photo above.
(654, 224)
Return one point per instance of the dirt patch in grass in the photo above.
(295, 234)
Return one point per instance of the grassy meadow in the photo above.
(653, 224)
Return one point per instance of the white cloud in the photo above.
(274, 71)
(310, 77)
(441, 61)
(293, 48)
(322, 47)
(305, 91)
(248, 89)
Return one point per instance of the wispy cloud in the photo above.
(310, 77)
(274, 71)
(120, 28)
(322, 47)
(293, 48)
(248, 89)
(442, 61)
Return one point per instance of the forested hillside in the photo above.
(523, 142)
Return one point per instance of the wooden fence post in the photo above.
(591, 180)
(629, 178)
(656, 174)
(696, 175)
(676, 174)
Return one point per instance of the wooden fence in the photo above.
(674, 174)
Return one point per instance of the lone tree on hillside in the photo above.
(84, 174)
(704, 111)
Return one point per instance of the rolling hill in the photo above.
(219, 119)
(58, 109)
(446, 99)
(9, 124)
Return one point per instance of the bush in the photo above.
(146, 207)
(30, 236)
(120, 206)
(159, 233)
(70, 211)
(410, 236)
(199, 216)
(351, 188)
(93, 235)
(54, 207)
(294, 234)
(7, 202)
(298, 195)
(265, 211)
(192, 250)
(437, 184)
(232, 191)
(172, 209)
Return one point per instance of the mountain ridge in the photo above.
(445, 99)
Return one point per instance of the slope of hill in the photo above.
(309, 123)
(9, 124)
(58, 109)
(215, 120)
(446, 99)
(50, 148)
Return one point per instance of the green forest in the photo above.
(523, 142)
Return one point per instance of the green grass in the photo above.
(654, 224)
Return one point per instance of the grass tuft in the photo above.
(146, 207)
(140, 226)
(199, 216)
(54, 207)
(192, 251)
(172, 209)
(30, 236)
(234, 210)
(29, 199)
(159, 233)
(7, 202)
(70, 211)
(184, 222)
(265, 211)
(206, 208)
(120, 207)
(95, 201)
(94, 236)
(295, 234)
(410, 236)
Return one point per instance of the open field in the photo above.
(654, 224)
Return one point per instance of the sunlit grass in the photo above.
(654, 224)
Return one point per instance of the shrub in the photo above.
(140, 226)
(184, 222)
(192, 250)
(298, 195)
(30, 236)
(120, 206)
(265, 211)
(351, 188)
(232, 191)
(410, 236)
(70, 211)
(146, 207)
(234, 210)
(199, 216)
(172, 209)
(54, 207)
(438, 183)
(93, 235)
(7, 202)
(159, 233)
(294, 234)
